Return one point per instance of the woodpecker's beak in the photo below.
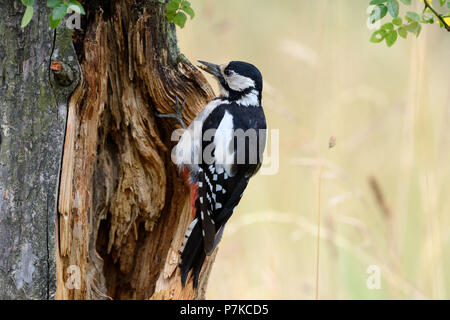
(211, 68)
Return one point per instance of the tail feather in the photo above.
(197, 265)
(193, 249)
(193, 254)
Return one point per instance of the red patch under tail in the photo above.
(194, 192)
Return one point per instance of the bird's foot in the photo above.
(178, 115)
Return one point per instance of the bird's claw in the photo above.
(178, 115)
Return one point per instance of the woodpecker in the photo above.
(220, 151)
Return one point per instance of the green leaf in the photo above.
(378, 36)
(28, 2)
(76, 7)
(376, 2)
(171, 15)
(379, 12)
(428, 19)
(54, 23)
(442, 2)
(418, 30)
(180, 19)
(176, 11)
(173, 5)
(412, 16)
(388, 26)
(412, 27)
(407, 2)
(27, 16)
(393, 8)
(53, 3)
(397, 21)
(60, 11)
(189, 11)
(391, 37)
(402, 32)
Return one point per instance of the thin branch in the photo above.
(439, 16)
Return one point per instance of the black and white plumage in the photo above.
(233, 158)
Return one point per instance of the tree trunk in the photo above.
(33, 109)
(123, 207)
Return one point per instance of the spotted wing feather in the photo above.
(205, 209)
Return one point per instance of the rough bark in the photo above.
(33, 109)
(123, 206)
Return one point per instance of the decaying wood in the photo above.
(123, 206)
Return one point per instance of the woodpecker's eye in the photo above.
(227, 72)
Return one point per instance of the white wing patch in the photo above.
(189, 148)
(223, 140)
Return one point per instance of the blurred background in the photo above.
(385, 186)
